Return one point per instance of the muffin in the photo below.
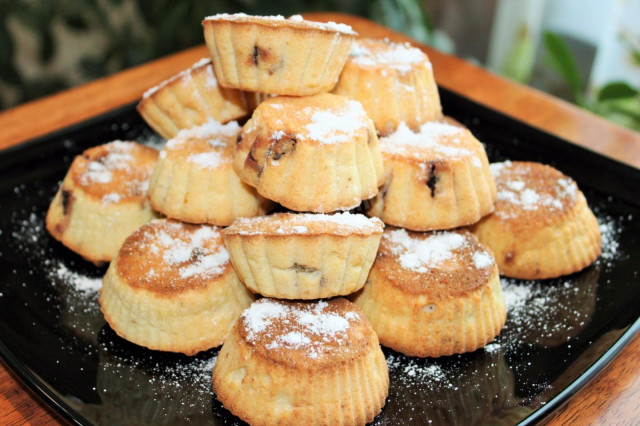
(303, 256)
(192, 98)
(294, 363)
(394, 82)
(542, 226)
(317, 153)
(433, 294)
(103, 199)
(438, 178)
(172, 288)
(270, 54)
(194, 180)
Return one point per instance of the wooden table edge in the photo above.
(550, 114)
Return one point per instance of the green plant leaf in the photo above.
(406, 16)
(560, 58)
(627, 41)
(519, 63)
(616, 90)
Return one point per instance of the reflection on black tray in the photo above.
(50, 324)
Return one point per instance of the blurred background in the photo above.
(585, 51)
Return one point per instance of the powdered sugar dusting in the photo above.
(78, 281)
(482, 259)
(430, 133)
(186, 75)
(207, 160)
(512, 181)
(445, 139)
(212, 130)
(337, 125)
(190, 252)
(118, 158)
(394, 55)
(300, 223)
(421, 254)
(242, 17)
(309, 326)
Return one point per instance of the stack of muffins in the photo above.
(335, 124)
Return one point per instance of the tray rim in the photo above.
(53, 400)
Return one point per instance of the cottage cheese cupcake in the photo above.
(438, 178)
(290, 363)
(317, 153)
(172, 288)
(542, 226)
(433, 294)
(192, 98)
(270, 54)
(303, 256)
(102, 199)
(394, 82)
(194, 180)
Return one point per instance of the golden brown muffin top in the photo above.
(384, 55)
(305, 334)
(437, 140)
(324, 119)
(114, 172)
(532, 193)
(306, 224)
(201, 66)
(277, 21)
(166, 256)
(441, 264)
(208, 146)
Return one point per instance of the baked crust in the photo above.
(303, 256)
(194, 180)
(433, 294)
(102, 199)
(438, 178)
(191, 98)
(276, 55)
(173, 289)
(394, 82)
(294, 363)
(317, 153)
(542, 226)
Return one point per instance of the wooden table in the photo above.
(613, 397)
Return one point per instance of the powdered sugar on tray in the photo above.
(163, 388)
(78, 281)
(548, 313)
(610, 230)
